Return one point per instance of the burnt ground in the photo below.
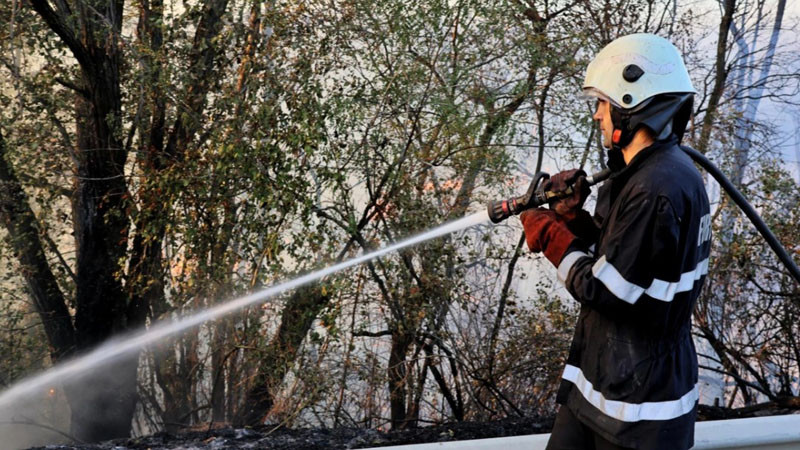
(270, 437)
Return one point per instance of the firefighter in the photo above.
(637, 265)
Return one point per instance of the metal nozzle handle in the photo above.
(534, 197)
(598, 177)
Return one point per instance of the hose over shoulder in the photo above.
(748, 209)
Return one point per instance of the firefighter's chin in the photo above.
(606, 139)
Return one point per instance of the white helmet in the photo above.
(635, 67)
(643, 77)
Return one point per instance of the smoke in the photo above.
(94, 404)
(38, 420)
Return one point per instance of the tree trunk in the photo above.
(100, 230)
(298, 316)
(397, 374)
(98, 213)
(720, 76)
(218, 365)
(744, 128)
(20, 223)
(174, 369)
(160, 151)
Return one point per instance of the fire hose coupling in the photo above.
(535, 196)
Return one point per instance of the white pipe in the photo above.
(763, 433)
(772, 432)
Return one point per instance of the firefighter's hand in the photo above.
(569, 206)
(546, 232)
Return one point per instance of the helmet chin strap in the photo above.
(623, 128)
(616, 161)
(621, 136)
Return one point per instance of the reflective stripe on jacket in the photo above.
(631, 374)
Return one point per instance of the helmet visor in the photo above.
(593, 94)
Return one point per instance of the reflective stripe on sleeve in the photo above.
(630, 412)
(566, 264)
(619, 286)
(665, 291)
(659, 289)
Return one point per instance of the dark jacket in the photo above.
(631, 374)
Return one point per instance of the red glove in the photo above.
(546, 232)
(568, 207)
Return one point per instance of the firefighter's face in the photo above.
(603, 117)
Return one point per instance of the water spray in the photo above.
(122, 346)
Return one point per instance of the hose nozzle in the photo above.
(535, 196)
(503, 209)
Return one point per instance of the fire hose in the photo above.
(537, 196)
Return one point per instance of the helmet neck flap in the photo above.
(663, 115)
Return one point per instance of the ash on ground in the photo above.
(270, 437)
(276, 438)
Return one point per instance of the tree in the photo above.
(117, 289)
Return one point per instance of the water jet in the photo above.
(16, 399)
